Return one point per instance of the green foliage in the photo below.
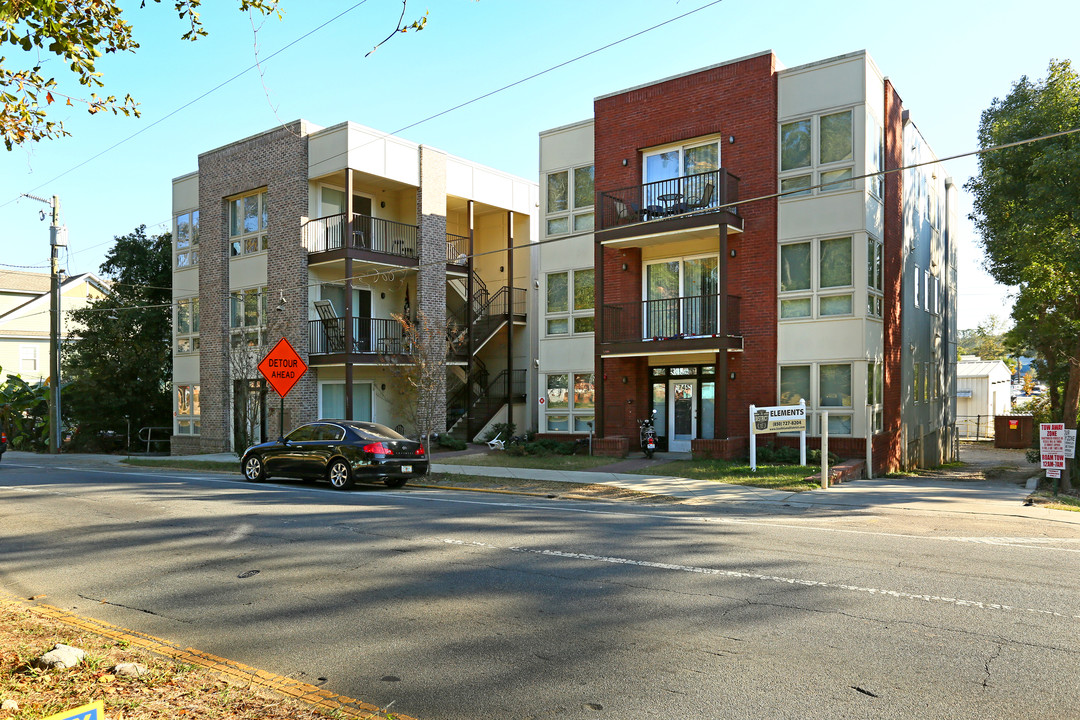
(448, 441)
(542, 448)
(503, 431)
(987, 340)
(24, 413)
(1025, 198)
(120, 369)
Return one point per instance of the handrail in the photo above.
(364, 233)
(702, 192)
(457, 249)
(149, 439)
(371, 336)
(668, 318)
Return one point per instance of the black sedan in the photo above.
(341, 451)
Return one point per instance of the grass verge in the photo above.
(1046, 498)
(540, 462)
(171, 689)
(791, 478)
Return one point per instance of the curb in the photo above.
(309, 694)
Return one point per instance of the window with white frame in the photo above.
(247, 317)
(570, 199)
(570, 301)
(875, 279)
(833, 391)
(916, 285)
(248, 224)
(28, 358)
(187, 239)
(570, 402)
(877, 163)
(875, 391)
(821, 148)
(683, 161)
(816, 278)
(187, 409)
(187, 325)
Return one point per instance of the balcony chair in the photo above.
(705, 200)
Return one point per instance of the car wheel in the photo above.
(339, 474)
(395, 482)
(254, 470)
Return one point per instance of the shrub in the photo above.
(448, 441)
(504, 431)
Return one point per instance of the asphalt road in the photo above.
(457, 605)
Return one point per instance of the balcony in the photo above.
(374, 339)
(671, 324)
(687, 205)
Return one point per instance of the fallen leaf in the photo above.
(106, 678)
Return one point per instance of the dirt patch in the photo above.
(553, 490)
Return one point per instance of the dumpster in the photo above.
(1014, 431)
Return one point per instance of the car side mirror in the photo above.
(282, 441)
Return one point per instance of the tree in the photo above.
(78, 33)
(24, 413)
(1027, 212)
(119, 369)
(987, 340)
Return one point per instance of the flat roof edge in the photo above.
(685, 74)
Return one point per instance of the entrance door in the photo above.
(682, 414)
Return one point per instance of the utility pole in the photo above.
(57, 240)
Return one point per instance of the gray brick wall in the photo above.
(431, 276)
(276, 160)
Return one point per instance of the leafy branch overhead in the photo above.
(78, 32)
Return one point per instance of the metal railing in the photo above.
(457, 249)
(703, 192)
(671, 318)
(371, 336)
(364, 233)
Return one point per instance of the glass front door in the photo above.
(682, 414)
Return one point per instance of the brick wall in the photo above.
(893, 251)
(278, 161)
(431, 276)
(737, 100)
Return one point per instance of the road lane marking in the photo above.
(958, 602)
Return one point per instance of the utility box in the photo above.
(1014, 431)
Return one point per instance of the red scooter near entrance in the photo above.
(647, 434)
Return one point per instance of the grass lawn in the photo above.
(775, 477)
(1047, 498)
(542, 462)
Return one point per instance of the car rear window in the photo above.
(378, 430)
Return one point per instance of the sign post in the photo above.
(282, 367)
(779, 418)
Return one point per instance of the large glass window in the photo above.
(802, 150)
(682, 297)
(248, 222)
(665, 193)
(187, 410)
(815, 267)
(875, 282)
(570, 402)
(570, 199)
(332, 401)
(187, 239)
(571, 297)
(187, 325)
(247, 317)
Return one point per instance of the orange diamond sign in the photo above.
(282, 367)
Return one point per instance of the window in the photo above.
(794, 384)
(570, 301)
(187, 409)
(570, 198)
(875, 389)
(833, 392)
(28, 358)
(875, 283)
(877, 164)
(682, 297)
(831, 151)
(917, 284)
(332, 400)
(248, 224)
(570, 402)
(247, 317)
(187, 325)
(802, 272)
(187, 239)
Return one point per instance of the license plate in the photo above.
(651, 445)
(406, 468)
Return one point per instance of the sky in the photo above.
(947, 60)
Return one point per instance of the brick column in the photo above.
(431, 276)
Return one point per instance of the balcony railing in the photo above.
(704, 192)
(668, 319)
(371, 336)
(457, 249)
(365, 233)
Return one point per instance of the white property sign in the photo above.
(779, 418)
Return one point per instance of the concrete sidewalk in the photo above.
(925, 494)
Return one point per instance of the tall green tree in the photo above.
(120, 368)
(1027, 212)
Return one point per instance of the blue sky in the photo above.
(948, 60)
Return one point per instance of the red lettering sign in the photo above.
(282, 367)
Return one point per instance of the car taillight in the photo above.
(420, 450)
(378, 449)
